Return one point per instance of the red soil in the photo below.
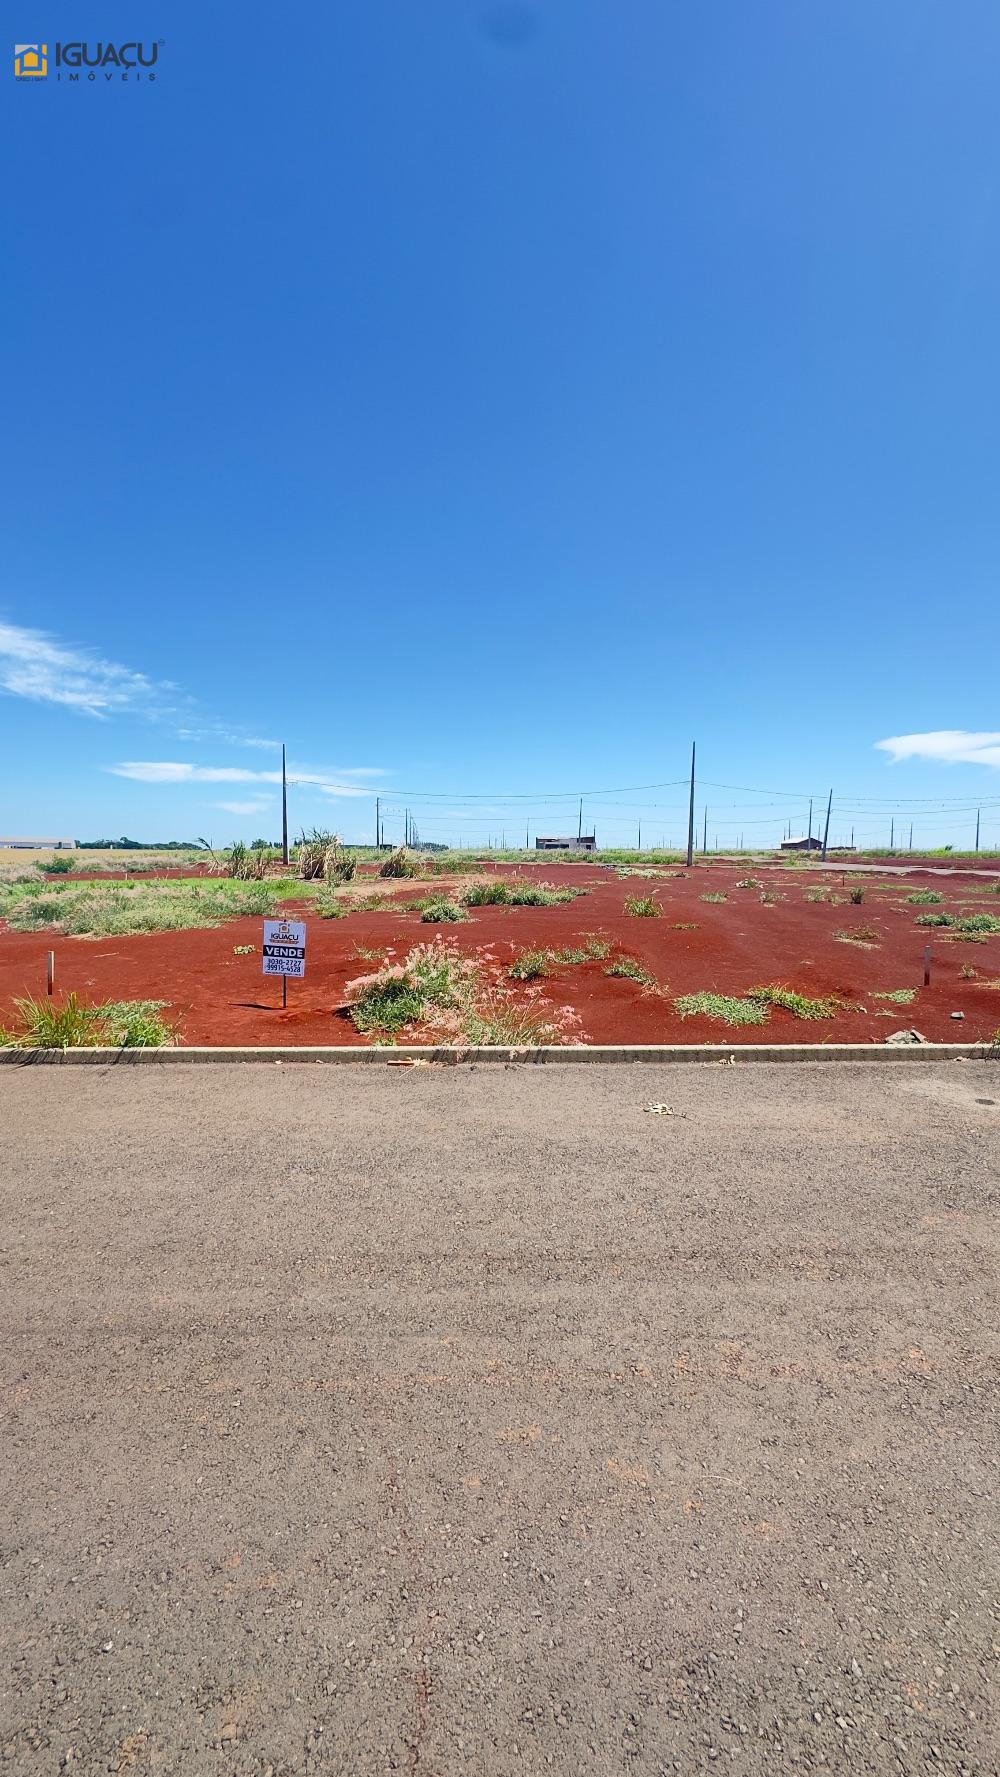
(217, 997)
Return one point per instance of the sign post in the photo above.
(285, 951)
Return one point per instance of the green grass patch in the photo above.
(627, 969)
(715, 896)
(435, 986)
(69, 1024)
(965, 925)
(725, 1008)
(897, 996)
(500, 891)
(530, 965)
(799, 1004)
(924, 898)
(642, 907)
(865, 936)
(120, 909)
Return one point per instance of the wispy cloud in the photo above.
(173, 771)
(34, 666)
(259, 805)
(945, 746)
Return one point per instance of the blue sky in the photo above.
(490, 398)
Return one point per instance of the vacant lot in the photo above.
(590, 968)
(443, 1421)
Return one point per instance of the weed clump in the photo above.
(799, 1004)
(120, 1024)
(400, 862)
(723, 1007)
(442, 912)
(642, 907)
(627, 969)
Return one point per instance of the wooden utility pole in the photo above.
(690, 856)
(579, 824)
(826, 829)
(809, 847)
(977, 828)
(378, 805)
(284, 808)
(892, 834)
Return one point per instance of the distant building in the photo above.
(37, 844)
(581, 842)
(806, 842)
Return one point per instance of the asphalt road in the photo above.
(457, 1420)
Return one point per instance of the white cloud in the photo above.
(260, 806)
(34, 666)
(168, 771)
(945, 746)
(171, 771)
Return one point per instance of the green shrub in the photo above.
(442, 913)
(857, 896)
(924, 898)
(642, 907)
(58, 866)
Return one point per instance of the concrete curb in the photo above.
(570, 1053)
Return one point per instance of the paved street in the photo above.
(458, 1420)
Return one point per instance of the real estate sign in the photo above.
(285, 947)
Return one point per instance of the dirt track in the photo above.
(375, 1421)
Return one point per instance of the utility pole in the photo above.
(690, 856)
(704, 836)
(826, 829)
(284, 810)
(977, 828)
(809, 846)
(892, 834)
(526, 835)
(911, 835)
(579, 824)
(377, 807)
(640, 837)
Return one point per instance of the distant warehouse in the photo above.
(582, 842)
(806, 842)
(37, 844)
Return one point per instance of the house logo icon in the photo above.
(31, 61)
